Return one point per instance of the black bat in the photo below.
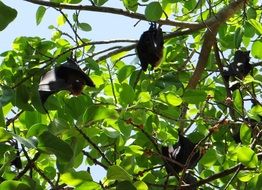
(238, 69)
(180, 153)
(68, 76)
(150, 47)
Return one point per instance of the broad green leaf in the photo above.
(7, 96)
(111, 132)
(4, 135)
(153, 11)
(135, 150)
(171, 99)
(118, 173)
(140, 185)
(84, 26)
(36, 130)
(247, 156)
(74, 178)
(61, 20)
(127, 94)
(52, 144)
(125, 72)
(14, 185)
(144, 97)
(238, 37)
(245, 134)
(40, 14)
(29, 143)
(131, 5)
(7, 15)
(256, 49)
(257, 25)
(238, 101)
(125, 185)
(251, 13)
(74, 1)
(100, 2)
(89, 185)
(2, 117)
(209, 158)
(95, 113)
(22, 98)
(194, 96)
(245, 176)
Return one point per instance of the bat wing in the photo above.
(70, 69)
(50, 84)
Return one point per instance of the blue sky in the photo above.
(105, 27)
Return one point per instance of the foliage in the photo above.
(122, 123)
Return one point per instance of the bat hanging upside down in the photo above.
(67, 76)
(150, 47)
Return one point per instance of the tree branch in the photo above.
(112, 11)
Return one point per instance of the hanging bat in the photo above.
(150, 47)
(180, 153)
(67, 76)
(238, 69)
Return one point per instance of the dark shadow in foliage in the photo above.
(17, 161)
(68, 76)
(150, 47)
(238, 69)
(180, 153)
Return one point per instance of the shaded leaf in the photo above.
(52, 144)
(153, 11)
(7, 15)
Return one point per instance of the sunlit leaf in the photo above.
(118, 173)
(247, 156)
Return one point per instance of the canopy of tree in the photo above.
(192, 122)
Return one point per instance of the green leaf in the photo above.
(118, 173)
(256, 49)
(7, 15)
(247, 156)
(74, 178)
(257, 25)
(140, 185)
(153, 11)
(131, 5)
(2, 117)
(84, 26)
(4, 135)
(100, 2)
(127, 94)
(36, 130)
(251, 13)
(95, 113)
(209, 158)
(90, 185)
(14, 185)
(61, 20)
(125, 185)
(245, 134)
(194, 96)
(238, 37)
(238, 101)
(22, 98)
(40, 14)
(29, 143)
(52, 144)
(125, 72)
(171, 98)
(144, 97)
